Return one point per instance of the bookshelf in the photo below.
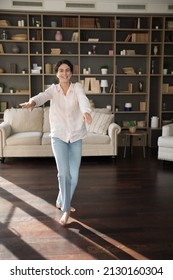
(135, 48)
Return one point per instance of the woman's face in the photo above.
(64, 73)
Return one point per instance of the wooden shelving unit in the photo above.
(140, 43)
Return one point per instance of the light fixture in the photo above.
(104, 85)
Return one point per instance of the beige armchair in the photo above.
(165, 143)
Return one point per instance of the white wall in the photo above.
(101, 6)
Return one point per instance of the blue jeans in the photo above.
(68, 159)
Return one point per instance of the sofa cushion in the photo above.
(24, 138)
(93, 138)
(46, 139)
(165, 141)
(100, 122)
(22, 120)
(46, 124)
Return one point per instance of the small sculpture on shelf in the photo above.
(155, 50)
(94, 49)
(140, 86)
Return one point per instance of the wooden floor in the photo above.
(124, 210)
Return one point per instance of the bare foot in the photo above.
(64, 218)
(72, 209)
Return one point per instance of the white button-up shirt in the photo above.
(66, 111)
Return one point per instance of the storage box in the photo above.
(143, 106)
(141, 124)
(125, 123)
(170, 89)
(165, 87)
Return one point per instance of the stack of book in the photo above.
(69, 22)
(140, 37)
(87, 22)
(56, 51)
(137, 37)
(91, 85)
(4, 22)
(129, 71)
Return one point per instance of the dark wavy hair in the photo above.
(64, 61)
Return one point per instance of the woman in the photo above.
(69, 111)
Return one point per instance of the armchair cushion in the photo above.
(165, 143)
(100, 122)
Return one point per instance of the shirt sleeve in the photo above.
(84, 103)
(43, 97)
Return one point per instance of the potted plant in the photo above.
(11, 89)
(2, 87)
(132, 126)
(165, 68)
(23, 71)
(117, 108)
(104, 69)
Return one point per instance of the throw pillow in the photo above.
(100, 122)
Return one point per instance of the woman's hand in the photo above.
(87, 118)
(28, 105)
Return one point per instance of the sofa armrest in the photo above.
(167, 130)
(5, 131)
(113, 129)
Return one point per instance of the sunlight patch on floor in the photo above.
(33, 220)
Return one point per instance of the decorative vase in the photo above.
(15, 49)
(154, 122)
(58, 36)
(155, 50)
